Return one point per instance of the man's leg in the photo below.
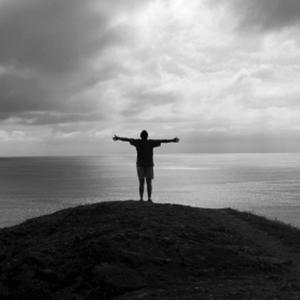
(141, 188)
(149, 188)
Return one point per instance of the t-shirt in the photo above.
(144, 149)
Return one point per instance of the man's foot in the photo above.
(150, 201)
(141, 200)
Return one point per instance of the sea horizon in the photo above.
(262, 183)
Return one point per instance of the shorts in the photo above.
(144, 172)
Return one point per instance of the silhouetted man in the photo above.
(144, 162)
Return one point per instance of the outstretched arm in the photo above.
(175, 140)
(123, 139)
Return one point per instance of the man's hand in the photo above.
(176, 140)
(122, 139)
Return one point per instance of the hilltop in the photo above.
(132, 250)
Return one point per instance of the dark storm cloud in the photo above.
(265, 15)
(47, 53)
(22, 96)
(19, 94)
(53, 36)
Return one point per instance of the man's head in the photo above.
(144, 135)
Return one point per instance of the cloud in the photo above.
(77, 71)
(55, 53)
(265, 15)
(80, 61)
(55, 37)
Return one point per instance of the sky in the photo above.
(222, 75)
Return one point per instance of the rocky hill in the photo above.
(133, 250)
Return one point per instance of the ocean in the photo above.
(265, 184)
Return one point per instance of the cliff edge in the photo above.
(132, 250)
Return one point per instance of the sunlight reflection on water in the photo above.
(266, 184)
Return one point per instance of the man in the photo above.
(144, 162)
